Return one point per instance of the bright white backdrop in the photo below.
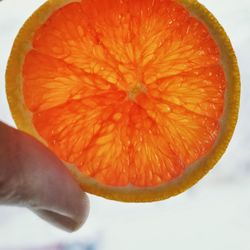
(213, 215)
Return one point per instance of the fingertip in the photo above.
(69, 223)
(60, 221)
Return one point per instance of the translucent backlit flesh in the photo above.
(130, 91)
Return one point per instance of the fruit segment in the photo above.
(129, 91)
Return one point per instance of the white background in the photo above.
(213, 215)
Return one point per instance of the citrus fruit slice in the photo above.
(139, 98)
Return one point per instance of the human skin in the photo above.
(32, 176)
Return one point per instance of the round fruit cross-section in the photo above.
(139, 98)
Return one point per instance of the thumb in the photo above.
(31, 176)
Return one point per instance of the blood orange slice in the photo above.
(139, 98)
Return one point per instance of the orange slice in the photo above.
(139, 98)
